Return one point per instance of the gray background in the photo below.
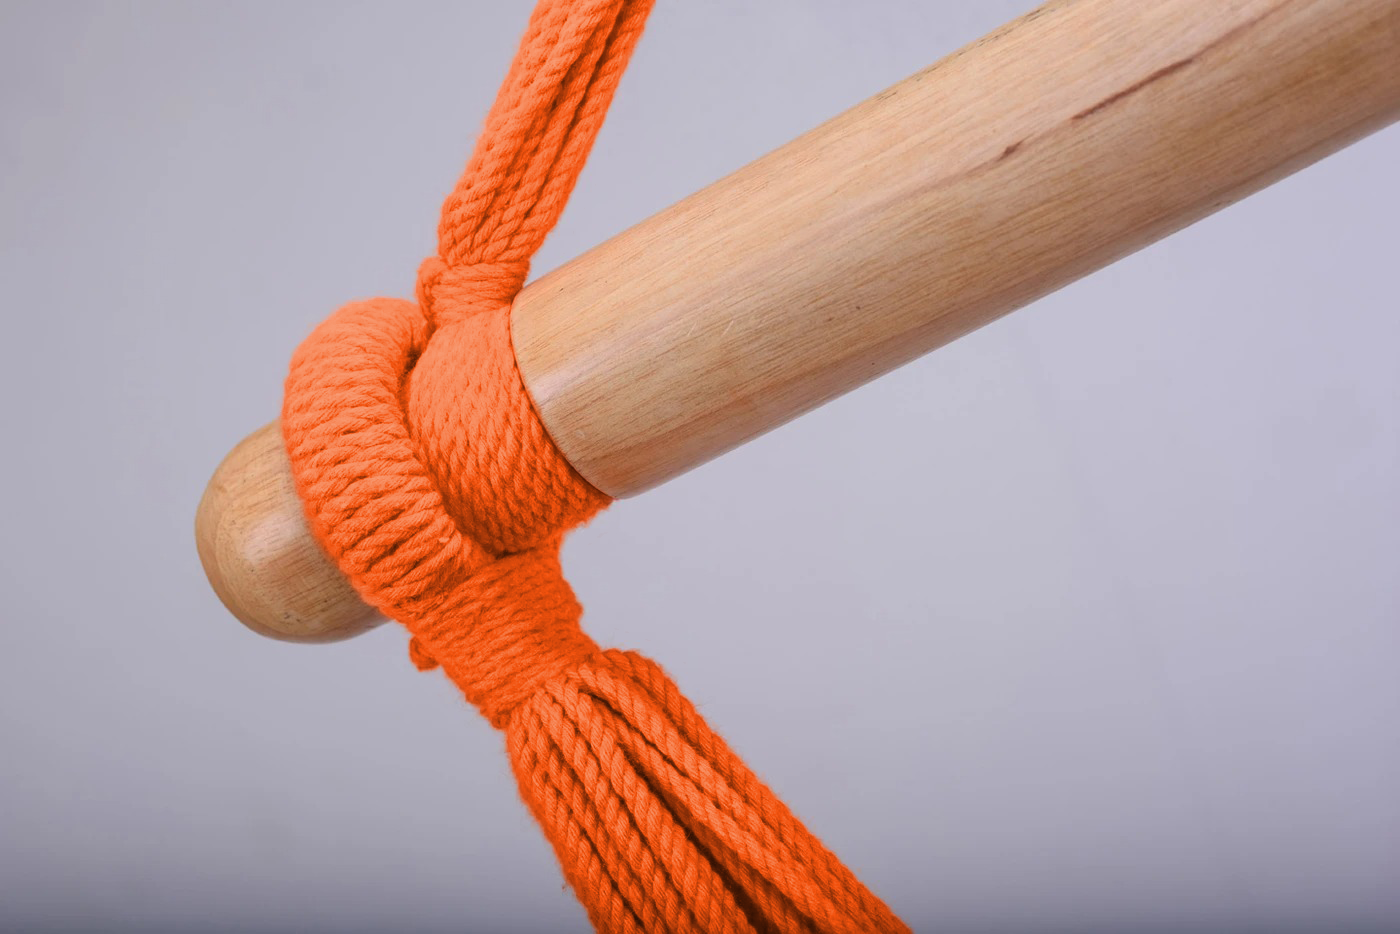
(1089, 622)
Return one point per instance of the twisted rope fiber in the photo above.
(427, 476)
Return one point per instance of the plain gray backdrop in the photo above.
(1089, 622)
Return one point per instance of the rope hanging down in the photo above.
(428, 477)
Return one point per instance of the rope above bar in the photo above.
(442, 449)
(963, 193)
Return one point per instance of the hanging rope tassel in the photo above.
(427, 476)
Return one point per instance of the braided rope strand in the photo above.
(427, 475)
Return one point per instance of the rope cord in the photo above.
(427, 476)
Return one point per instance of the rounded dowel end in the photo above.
(260, 556)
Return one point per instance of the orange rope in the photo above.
(427, 475)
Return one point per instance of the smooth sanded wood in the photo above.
(1069, 138)
(1072, 137)
(259, 553)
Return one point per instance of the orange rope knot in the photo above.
(447, 500)
(427, 475)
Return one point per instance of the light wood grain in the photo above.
(1069, 138)
(1072, 137)
(259, 553)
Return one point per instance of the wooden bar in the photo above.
(1072, 137)
(1075, 135)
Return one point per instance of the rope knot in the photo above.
(448, 293)
(428, 476)
(430, 480)
(512, 627)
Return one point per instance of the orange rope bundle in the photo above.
(427, 475)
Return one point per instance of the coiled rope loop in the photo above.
(428, 477)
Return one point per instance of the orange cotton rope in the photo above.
(427, 475)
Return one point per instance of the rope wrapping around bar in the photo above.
(426, 474)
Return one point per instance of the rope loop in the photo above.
(449, 293)
(428, 477)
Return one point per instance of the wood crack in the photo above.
(1176, 66)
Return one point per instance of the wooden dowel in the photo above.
(259, 555)
(1075, 135)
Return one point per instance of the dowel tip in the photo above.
(260, 556)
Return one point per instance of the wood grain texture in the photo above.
(1073, 136)
(259, 555)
